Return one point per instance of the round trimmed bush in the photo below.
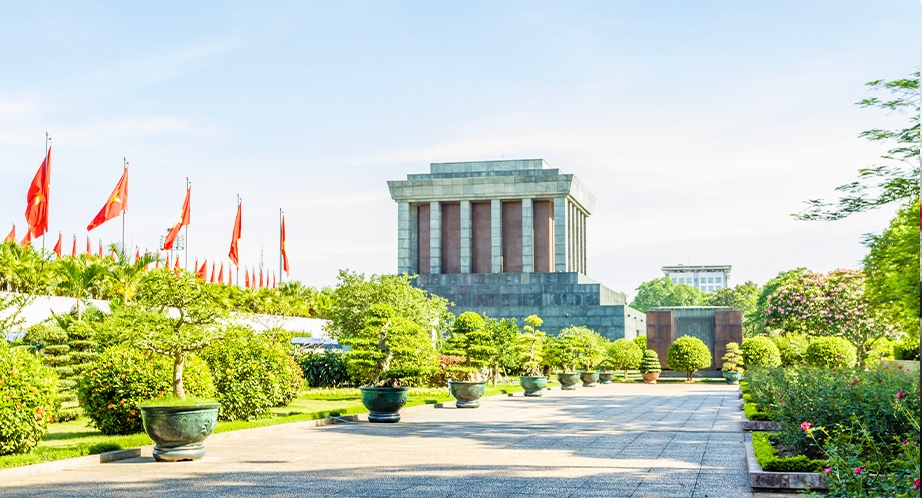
(760, 351)
(641, 342)
(831, 352)
(251, 374)
(793, 349)
(650, 362)
(122, 378)
(27, 399)
(325, 369)
(688, 354)
(623, 354)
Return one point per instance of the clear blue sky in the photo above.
(699, 126)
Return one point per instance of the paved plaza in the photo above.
(619, 440)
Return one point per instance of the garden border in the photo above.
(759, 478)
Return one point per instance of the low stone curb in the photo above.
(759, 478)
(68, 463)
(759, 425)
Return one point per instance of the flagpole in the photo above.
(281, 214)
(124, 251)
(48, 181)
(238, 256)
(186, 245)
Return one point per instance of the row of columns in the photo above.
(568, 237)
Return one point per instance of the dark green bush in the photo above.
(688, 354)
(27, 399)
(53, 344)
(649, 363)
(326, 369)
(760, 351)
(793, 349)
(763, 445)
(831, 352)
(251, 374)
(122, 378)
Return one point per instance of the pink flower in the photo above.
(804, 426)
(899, 395)
(858, 470)
(854, 382)
(915, 484)
(827, 470)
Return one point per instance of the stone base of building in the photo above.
(561, 299)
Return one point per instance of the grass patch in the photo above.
(763, 444)
(172, 400)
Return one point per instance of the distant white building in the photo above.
(706, 278)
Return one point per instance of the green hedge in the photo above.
(763, 444)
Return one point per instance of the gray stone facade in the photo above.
(525, 255)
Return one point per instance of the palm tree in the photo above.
(80, 278)
(125, 275)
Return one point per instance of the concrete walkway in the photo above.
(619, 440)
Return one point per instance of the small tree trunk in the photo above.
(178, 362)
(688, 376)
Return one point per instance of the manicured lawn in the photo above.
(79, 438)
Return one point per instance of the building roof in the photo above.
(697, 268)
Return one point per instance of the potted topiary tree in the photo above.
(733, 363)
(649, 367)
(688, 354)
(385, 352)
(623, 354)
(470, 339)
(560, 356)
(579, 347)
(174, 314)
(531, 347)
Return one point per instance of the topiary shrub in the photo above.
(649, 363)
(760, 351)
(641, 342)
(251, 374)
(27, 398)
(688, 354)
(122, 378)
(51, 343)
(325, 369)
(792, 347)
(623, 354)
(831, 352)
(733, 360)
(470, 339)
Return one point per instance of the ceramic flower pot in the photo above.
(650, 377)
(533, 384)
(733, 377)
(606, 377)
(589, 378)
(568, 381)
(179, 431)
(384, 403)
(468, 394)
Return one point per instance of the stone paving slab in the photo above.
(618, 440)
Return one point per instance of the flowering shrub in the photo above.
(833, 304)
(122, 378)
(760, 351)
(830, 352)
(27, 398)
(825, 397)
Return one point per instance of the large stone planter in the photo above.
(468, 394)
(589, 378)
(533, 384)
(606, 377)
(733, 377)
(384, 403)
(650, 377)
(568, 381)
(178, 431)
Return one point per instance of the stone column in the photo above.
(528, 233)
(585, 271)
(435, 238)
(414, 239)
(496, 235)
(403, 238)
(465, 236)
(560, 234)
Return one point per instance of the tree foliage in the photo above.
(665, 292)
(531, 345)
(895, 181)
(688, 354)
(470, 339)
(623, 354)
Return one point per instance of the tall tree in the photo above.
(881, 184)
(664, 292)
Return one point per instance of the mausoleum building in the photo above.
(508, 239)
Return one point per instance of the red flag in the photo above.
(230, 276)
(202, 271)
(220, 275)
(117, 202)
(176, 265)
(212, 272)
(37, 198)
(184, 218)
(73, 249)
(246, 277)
(27, 239)
(234, 253)
(100, 248)
(273, 280)
(112, 253)
(261, 278)
(137, 254)
(57, 247)
(89, 248)
(283, 248)
(11, 237)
